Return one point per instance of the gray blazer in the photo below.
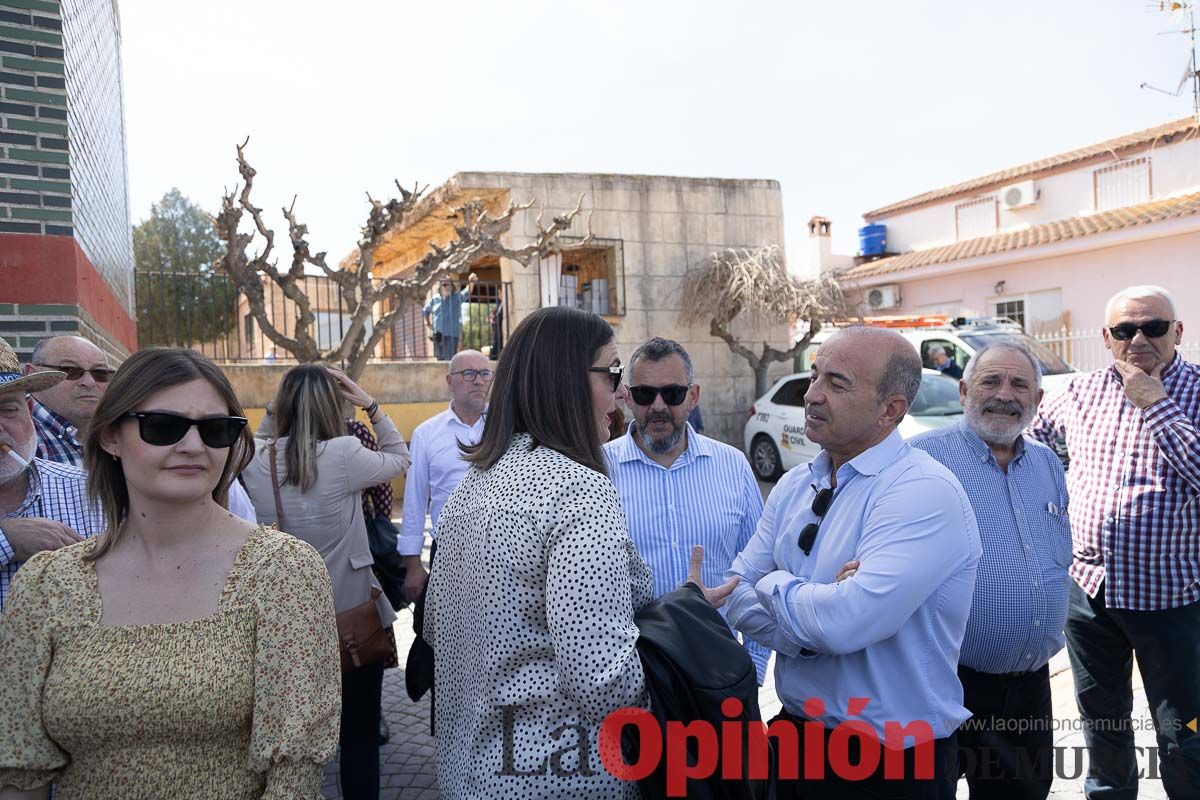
(329, 515)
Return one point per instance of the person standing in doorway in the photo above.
(443, 314)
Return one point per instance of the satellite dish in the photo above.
(1187, 74)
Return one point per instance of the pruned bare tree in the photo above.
(752, 285)
(477, 233)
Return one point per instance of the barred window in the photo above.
(1125, 183)
(975, 218)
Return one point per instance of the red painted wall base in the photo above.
(53, 269)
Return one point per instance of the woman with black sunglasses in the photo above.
(184, 652)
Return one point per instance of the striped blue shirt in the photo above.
(1019, 607)
(57, 492)
(708, 496)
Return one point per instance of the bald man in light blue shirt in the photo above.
(891, 632)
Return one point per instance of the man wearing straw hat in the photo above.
(43, 505)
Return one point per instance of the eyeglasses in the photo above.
(99, 374)
(472, 374)
(161, 428)
(1153, 329)
(614, 372)
(820, 505)
(672, 395)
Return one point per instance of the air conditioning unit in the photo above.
(1019, 195)
(884, 296)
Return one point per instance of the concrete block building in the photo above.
(66, 254)
(647, 231)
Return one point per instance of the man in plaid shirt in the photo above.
(62, 411)
(43, 505)
(1132, 434)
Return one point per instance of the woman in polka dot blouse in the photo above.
(531, 599)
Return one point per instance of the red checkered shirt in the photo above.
(1134, 483)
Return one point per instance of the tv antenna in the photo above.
(1181, 10)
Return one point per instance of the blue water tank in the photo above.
(872, 240)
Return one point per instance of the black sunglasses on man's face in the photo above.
(672, 395)
(1153, 329)
(99, 374)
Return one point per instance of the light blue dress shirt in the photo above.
(447, 312)
(1020, 605)
(708, 496)
(436, 470)
(892, 632)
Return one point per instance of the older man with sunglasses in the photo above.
(881, 648)
(43, 505)
(1133, 434)
(62, 411)
(679, 488)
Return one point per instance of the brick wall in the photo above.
(35, 187)
(23, 324)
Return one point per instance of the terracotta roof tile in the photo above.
(1046, 233)
(1033, 168)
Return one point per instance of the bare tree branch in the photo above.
(477, 233)
(753, 284)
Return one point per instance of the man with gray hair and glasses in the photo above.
(1019, 607)
(678, 487)
(436, 470)
(1133, 435)
(881, 646)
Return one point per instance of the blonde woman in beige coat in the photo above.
(322, 473)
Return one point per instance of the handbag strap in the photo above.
(275, 490)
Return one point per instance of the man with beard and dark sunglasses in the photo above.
(679, 488)
(1019, 494)
(1133, 435)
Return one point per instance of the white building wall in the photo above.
(1175, 169)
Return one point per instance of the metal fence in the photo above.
(204, 311)
(1085, 350)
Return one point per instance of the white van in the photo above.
(961, 339)
(774, 437)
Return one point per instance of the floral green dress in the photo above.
(241, 704)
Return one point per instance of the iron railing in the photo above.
(1085, 350)
(204, 311)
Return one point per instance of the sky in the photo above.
(849, 105)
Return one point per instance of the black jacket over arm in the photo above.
(692, 663)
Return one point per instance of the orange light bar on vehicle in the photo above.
(904, 321)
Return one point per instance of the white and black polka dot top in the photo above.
(530, 615)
